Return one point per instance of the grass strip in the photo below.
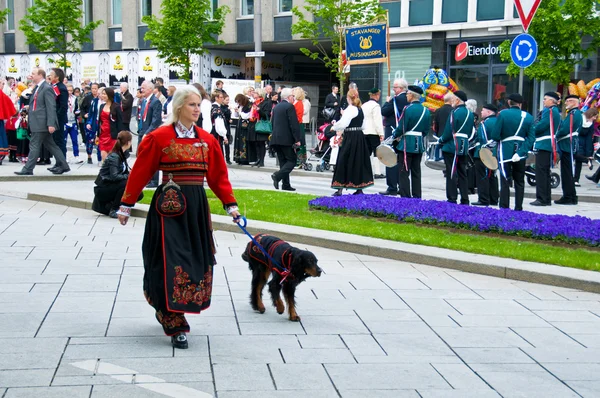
(292, 209)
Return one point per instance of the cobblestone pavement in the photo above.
(75, 324)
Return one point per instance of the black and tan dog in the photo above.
(300, 263)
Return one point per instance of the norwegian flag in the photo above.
(56, 90)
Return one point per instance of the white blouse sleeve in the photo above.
(245, 115)
(349, 113)
(205, 106)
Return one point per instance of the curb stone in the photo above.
(326, 175)
(468, 262)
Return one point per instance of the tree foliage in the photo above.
(559, 27)
(3, 15)
(185, 28)
(322, 21)
(55, 26)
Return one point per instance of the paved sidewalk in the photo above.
(75, 324)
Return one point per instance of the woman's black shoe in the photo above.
(358, 192)
(179, 341)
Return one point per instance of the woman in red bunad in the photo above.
(178, 247)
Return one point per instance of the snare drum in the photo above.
(488, 159)
(386, 154)
(434, 158)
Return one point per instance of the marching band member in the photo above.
(545, 147)
(487, 181)
(567, 140)
(455, 139)
(515, 136)
(412, 128)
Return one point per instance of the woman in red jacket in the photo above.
(299, 107)
(111, 122)
(178, 247)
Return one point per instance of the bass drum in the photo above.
(433, 156)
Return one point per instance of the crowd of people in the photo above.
(461, 134)
(268, 121)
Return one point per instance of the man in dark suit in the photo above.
(286, 134)
(333, 101)
(442, 115)
(151, 114)
(43, 124)
(57, 76)
(391, 112)
(126, 104)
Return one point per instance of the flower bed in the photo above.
(570, 229)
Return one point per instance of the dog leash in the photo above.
(283, 272)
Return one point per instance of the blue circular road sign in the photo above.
(524, 50)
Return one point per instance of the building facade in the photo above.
(461, 36)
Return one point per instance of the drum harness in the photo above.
(485, 136)
(515, 137)
(551, 137)
(411, 133)
(571, 135)
(455, 135)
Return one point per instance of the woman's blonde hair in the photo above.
(179, 99)
(299, 93)
(247, 90)
(354, 98)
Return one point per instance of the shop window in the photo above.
(117, 17)
(474, 81)
(420, 12)
(455, 11)
(285, 6)
(145, 8)
(488, 10)
(408, 63)
(393, 13)
(247, 8)
(10, 19)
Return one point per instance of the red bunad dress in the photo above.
(178, 248)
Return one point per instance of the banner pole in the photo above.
(387, 17)
(340, 66)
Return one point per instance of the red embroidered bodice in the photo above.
(163, 150)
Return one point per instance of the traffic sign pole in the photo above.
(521, 81)
(257, 43)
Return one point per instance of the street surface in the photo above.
(75, 324)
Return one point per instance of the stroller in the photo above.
(322, 152)
(530, 172)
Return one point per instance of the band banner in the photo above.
(366, 44)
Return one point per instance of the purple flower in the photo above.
(571, 229)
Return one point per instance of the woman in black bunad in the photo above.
(227, 116)
(241, 146)
(178, 247)
(353, 167)
(219, 128)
